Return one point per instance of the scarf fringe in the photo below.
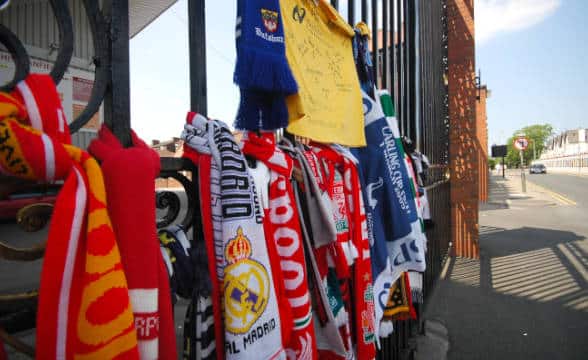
(264, 71)
(261, 110)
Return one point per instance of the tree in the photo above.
(537, 134)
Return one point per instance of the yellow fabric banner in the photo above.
(328, 107)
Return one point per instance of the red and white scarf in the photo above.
(84, 307)
(284, 230)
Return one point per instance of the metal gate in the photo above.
(409, 55)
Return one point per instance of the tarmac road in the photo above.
(571, 186)
(527, 295)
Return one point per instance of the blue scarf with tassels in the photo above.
(262, 71)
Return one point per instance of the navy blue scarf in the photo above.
(262, 71)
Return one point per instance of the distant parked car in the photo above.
(537, 169)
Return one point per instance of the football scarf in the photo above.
(84, 308)
(418, 229)
(262, 71)
(129, 177)
(315, 218)
(284, 230)
(399, 306)
(252, 327)
(363, 294)
(391, 211)
(190, 279)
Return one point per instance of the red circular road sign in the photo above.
(521, 143)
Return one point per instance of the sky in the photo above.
(532, 55)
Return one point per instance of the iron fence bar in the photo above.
(399, 71)
(391, 50)
(364, 11)
(375, 42)
(335, 4)
(351, 12)
(385, 55)
(117, 107)
(412, 73)
(197, 42)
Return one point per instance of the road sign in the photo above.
(521, 143)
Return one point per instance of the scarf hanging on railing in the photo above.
(84, 308)
(262, 71)
(392, 215)
(252, 327)
(129, 177)
(362, 297)
(284, 230)
(399, 306)
(189, 277)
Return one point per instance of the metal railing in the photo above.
(411, 63)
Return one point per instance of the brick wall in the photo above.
(482, 135)
(464, 147)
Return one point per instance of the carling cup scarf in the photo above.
(262, 71)
(284, 230)
(84, 309)
(242, 265)
(391, 210)
(129, 177)
(418, 226)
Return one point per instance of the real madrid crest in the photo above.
(246, 286)
(270, 20)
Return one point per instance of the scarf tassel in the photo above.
(264, 71)
(261, 110)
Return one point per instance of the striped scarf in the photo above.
(284, 229)
(245, 279)
(84, 310)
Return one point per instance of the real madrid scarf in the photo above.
(249, 303)
(84, 309)
(262, 71)
(129, 177)
(284, 230)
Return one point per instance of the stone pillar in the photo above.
(463, 147)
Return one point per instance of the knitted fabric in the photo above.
(129, 176)
(262, 71)
(393, 223)
(399, 305)
(318, 228)
(84, 309)
(284, 226)
(250, 307)
(188, 268)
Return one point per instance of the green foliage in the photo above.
(492, 163)
(535, 133)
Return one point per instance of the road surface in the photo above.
(571, 186)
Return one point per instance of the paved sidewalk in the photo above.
(527, 295)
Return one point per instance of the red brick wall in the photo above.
(482, 135)
(464, 154)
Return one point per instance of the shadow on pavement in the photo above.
(527, 298)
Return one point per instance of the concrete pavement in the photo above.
(527, 296)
